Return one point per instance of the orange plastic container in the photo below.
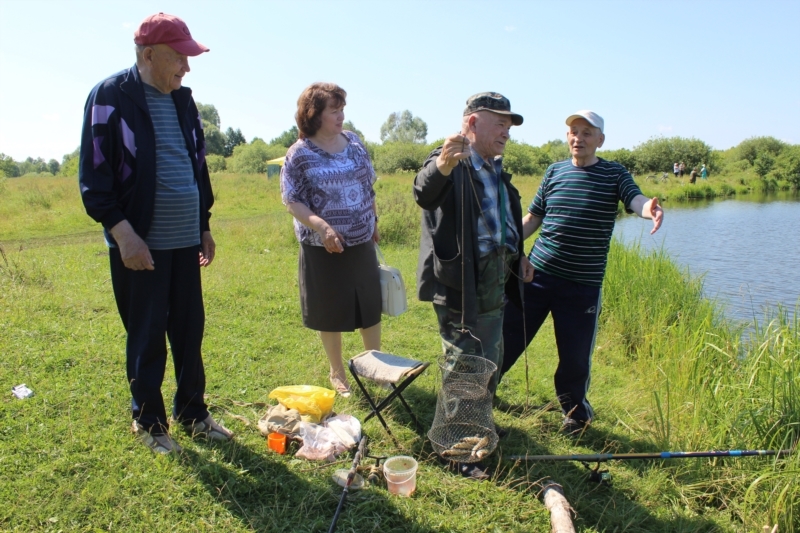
(277, 442)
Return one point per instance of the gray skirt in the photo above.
(339, 292)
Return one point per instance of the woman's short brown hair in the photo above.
(312, 103)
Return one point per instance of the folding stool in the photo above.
(386, 369)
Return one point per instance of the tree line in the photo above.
(404, 148)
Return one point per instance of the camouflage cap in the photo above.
(494, 102)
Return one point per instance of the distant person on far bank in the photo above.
(576, 206)
(676, 169)
(681, 169)
(326, 184)
(693, 175)
(703, 172)
(143, 176)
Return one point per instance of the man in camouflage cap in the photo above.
(470, 249)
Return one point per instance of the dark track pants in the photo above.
(152, 303)
(575, 308)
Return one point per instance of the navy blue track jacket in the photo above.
(118, 153)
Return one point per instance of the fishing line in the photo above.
(506, 268)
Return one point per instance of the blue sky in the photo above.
(721, 71)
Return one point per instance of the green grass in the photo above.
(669, 373)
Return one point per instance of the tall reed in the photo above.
(710, 385)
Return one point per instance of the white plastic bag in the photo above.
(347, 429)
(325, 443)
(319, 443)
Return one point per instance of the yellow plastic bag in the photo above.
(313, 403)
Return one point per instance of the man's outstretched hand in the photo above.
(653, 209)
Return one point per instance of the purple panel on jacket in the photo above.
(126, 171)
(100, 114)
(97, 156)
(128, 138)
(201, 154)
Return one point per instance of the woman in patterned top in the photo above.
(326, 184)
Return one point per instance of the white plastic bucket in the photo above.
(401, 475)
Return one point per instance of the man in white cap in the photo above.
(576, 206)
(144, 177)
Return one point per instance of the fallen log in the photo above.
(559, 507)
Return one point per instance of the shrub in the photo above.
(623, 156)
(524, 159)
(287, 138)
(215, 140)
(8, 166)
(787, 166)
(70, 168)
(252, 158)
(557, 150)
(395, 156)
(216, 163)
(749, 149)
(33, 166)
(659, 154)
(763, 164)
(738, 166)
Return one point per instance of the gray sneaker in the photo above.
(162, 444)
(208, 429)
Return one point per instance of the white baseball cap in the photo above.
(593, 118)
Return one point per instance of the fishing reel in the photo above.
(374, 473)
(601, 477)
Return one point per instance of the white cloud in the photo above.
(510, 29)
(664, 129)
(127, 25)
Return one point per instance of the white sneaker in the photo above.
(208, 429)
(162, 444)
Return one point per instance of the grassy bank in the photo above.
(716, 186)
(669, 373)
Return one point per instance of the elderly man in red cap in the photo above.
(144, 177)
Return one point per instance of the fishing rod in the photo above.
(361, 452)
(603, 475)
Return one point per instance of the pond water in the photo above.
(747, 250)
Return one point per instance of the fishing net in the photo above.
(463, 428)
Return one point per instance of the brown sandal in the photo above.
(340, 385)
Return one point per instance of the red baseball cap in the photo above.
(170, 30)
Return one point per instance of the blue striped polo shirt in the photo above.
(579, 206)
(176, 214)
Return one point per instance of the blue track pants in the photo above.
(575, 309)
(154, 304)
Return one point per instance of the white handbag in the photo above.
(393, 290)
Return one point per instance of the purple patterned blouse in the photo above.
(336, 187)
